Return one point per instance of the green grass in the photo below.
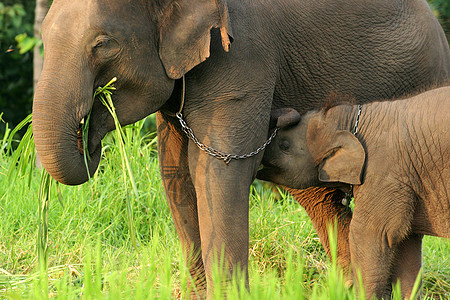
(90, 253)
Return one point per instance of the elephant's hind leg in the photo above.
(180, 193)
(324, 206)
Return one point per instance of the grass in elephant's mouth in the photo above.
(82, 136)
(104, 94)
(83, 128)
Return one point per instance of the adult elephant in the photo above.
(284, 53)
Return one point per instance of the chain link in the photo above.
(219, 154)
(355, 128)
(349, 195)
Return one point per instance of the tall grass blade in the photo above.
(4, 142)
(361, 291)
(417, 284)
(84, 131)
(335, 275)
(15, 130)
(44, 197)
(24, 153)
(85, 139)
(22, 163)
(23, 158)
(396, 291)
(105, 96)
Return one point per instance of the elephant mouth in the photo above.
(267, 171)
(91, 130)
(92, 127)
(88, 137)
(81, 128)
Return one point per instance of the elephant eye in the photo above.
(284, 145)
(104, 47)
(101, 42)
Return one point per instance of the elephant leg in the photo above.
(223, 209)
(324, 207)
(372, 258)
(408, 263)
(180, 194)
(223, 199)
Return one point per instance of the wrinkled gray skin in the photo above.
(399, 166)
(283, 54)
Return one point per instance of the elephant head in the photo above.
(311, 151)
(145, 44)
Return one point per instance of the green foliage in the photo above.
(11, 20)
(16, 69)
(441, 9)
(90, 255)
(105, 96)
(27, 43)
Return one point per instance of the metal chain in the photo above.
(349, 195)
(216, 153)
(355, 128)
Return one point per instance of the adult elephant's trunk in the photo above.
(59, 105)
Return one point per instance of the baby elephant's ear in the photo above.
(338, 153)
(345, 160)
(284, 117)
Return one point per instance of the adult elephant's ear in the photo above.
(338, 153)
(184, 33)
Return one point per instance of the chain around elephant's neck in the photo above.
(358, 116)
(349, 195)
(226, 157)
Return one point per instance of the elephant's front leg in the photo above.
(180, 193)
(223, 206)
(372, 258)
(408, 263)
(324, 207)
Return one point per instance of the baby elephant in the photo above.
(398, 164)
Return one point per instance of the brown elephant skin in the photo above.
(399, 166)
(239, 59)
